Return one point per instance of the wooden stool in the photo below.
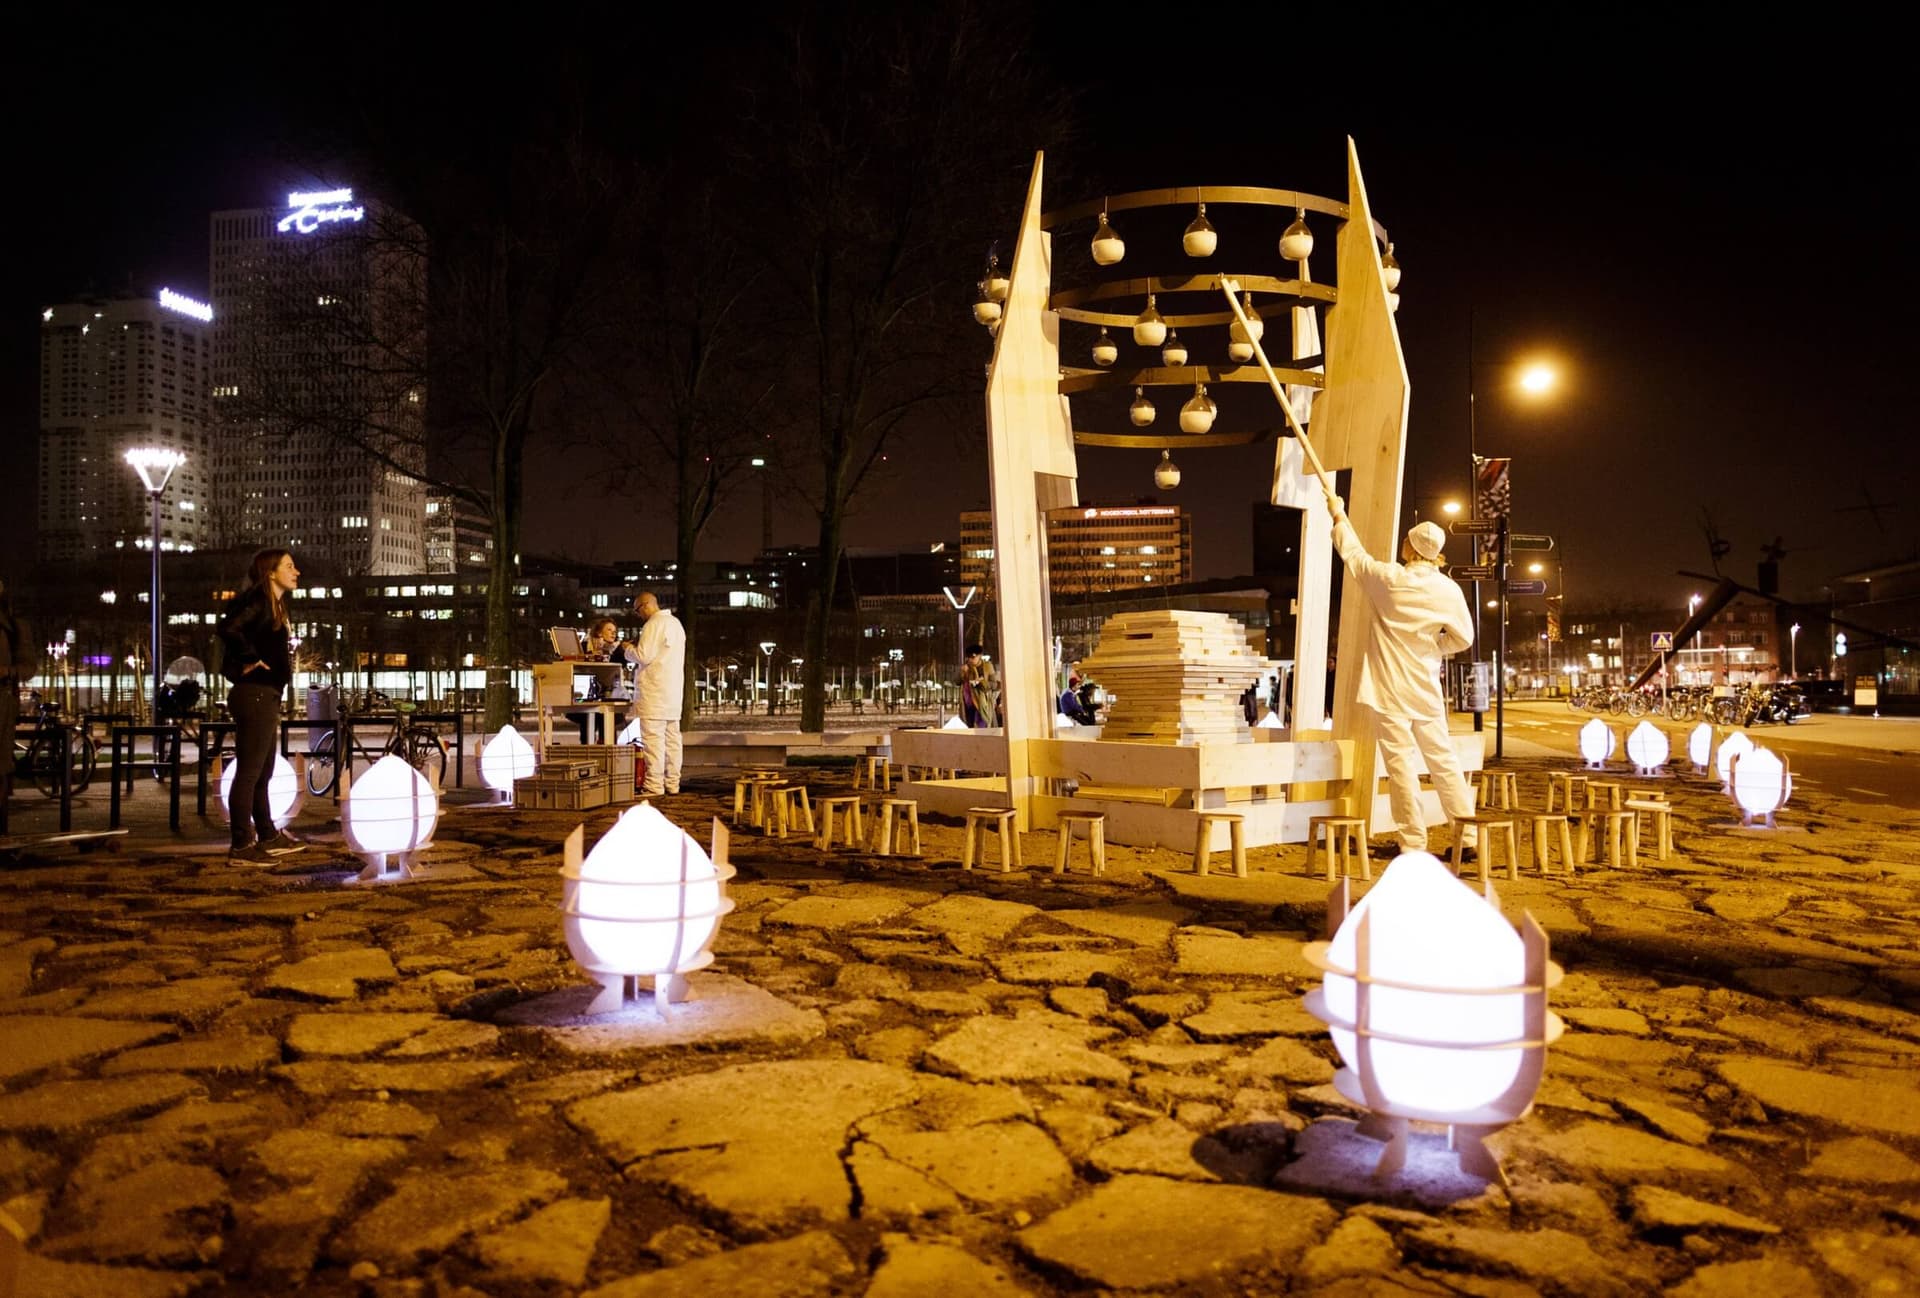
(787, 799)
(1491, 829)
(761, 808)
(849, 804)
(746, 797)
(1616, 794)
(1500, 785)
(1543, 826)
(1618, 842)
(1009, 838)
(1202, 849)
(1570, 786)
(892, 817)
(1095, 823)
(1662, 817)
(1346, 841)
(878, 772)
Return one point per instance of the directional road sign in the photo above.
(1528, 541)
(1471, 572)
(1662, 641)
(1486, 526)
(1526, 588)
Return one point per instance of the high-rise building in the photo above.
(116, 374)
(317, 401)
(1094, 548)
(458, 536)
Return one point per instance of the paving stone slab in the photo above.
(44, 1277)
(428, 1212)
(1619, 1153)
(1119, 1234)
(447, 1038)
(1357, 1247)
(1883, 1106)
(374, 1118)
(1014, 1050)
(155, 1214)
(1171, 1149)
(1245, 957)
(555, 1245)
(1556, 1260)
(1149, 924)
(802, 1267)
(841, 912)
(1333, 1158)
(1862, 1160)
(892, 1191)
(1791, 984)
(1767, 1275)
(69, 1106)
(188, 1000)
(1047, 968)
(1874, 1262)
(1670, 1120)
(973, 916)
(911, 1269)
(334, 976)
(331, 1077)
(247, 1052)
(1655, 1208)
(353, 1034)
(31, 1042)
(721, 1010)
(1232, 1018)
(1288, 1060)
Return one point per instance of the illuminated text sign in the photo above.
(185, 305)
(308, 212)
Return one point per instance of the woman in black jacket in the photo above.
(259, 662)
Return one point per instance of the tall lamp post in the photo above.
(766, 651)
(959, 597)
(1793, 652)
(155, 465)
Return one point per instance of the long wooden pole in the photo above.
(1232, 289)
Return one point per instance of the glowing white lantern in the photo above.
(955, 722)
(1647, 748)
(506, 758)
(1269, 722)
(1734, 745)
(1437, 1007)
(390, 811)
(1596, 743)
(284, 790)
(630, 734)
(1108, 246)
(645, 902)
(1761, 783)
(1061, 721)
(1700, 747)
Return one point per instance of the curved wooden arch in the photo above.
(1066, 304)
(1252, 195)
(1084, 380)
(1147, 441)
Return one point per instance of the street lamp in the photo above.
(155, 465)
(959, 597)
(1793, 652)
(766, 650)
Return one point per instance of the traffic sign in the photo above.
(1662, 641)
(1526, 588)
(1472, 572)
(1528, 541)
(1486, 526)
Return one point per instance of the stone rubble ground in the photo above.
(907, 1080)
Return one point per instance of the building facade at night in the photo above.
(458, 536)
(116, 374)
(1092, 549)
(318, 410)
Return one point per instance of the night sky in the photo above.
(1706, 230)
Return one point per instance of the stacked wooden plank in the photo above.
(1175, 677)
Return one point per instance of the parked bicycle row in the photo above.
(1750, 705)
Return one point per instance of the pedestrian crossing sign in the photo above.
(1662, 641)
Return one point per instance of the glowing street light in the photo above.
(155, 465)
(1793, 652)
(1451, 509)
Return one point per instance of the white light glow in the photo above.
(1761, 785)
(954, 723)
(1429, 931)
(1269, 722)
(283, 790)
(154, 464)
(1734, 745)
(392, 808)
(185, 305)
(1061, 721)
(1700, 746)
(1647, 748)
(646, 900)
(1596, 742)
(312, 210)
(506, 758)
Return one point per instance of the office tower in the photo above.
(1094, 548)
(318, 395)
(114, 374)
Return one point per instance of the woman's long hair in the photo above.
(260, 578)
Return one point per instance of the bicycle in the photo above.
(41, 761)
(415, 742)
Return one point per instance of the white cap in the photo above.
(1427, 540)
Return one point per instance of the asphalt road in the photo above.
(1869, 760)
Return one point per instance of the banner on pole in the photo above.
(1492, 486)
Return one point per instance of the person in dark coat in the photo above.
(258, 660)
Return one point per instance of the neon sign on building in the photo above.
(185, 305)
(308, 212)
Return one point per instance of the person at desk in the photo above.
(659, 689)
(604, 645)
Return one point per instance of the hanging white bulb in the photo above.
(1390, 270)
(1141, 411)
(1240, 352)
(1196, 416)
(1166, 474)
(1200, 238)
(1393, 302)
(993, 328)
(1149, 330)
(1108, 246)
(1105, 350)
(996, 283)
(986, 310)
(1297, 243)
(1175, 352)
(1241, 337)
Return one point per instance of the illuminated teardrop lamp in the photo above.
(1200, 238)
(1734, 745)
(1437, 1008)
(285, 790)
(386, 815)
(1700, 747)
(1197, 415)
(985, 309)
(1174, 354)
(1141, 412)
(1105, 350)
(1762, 783)
(1297, 243)
(1647, 748)
(1108, 246)
(1149, 330)
(1166, 474)
(1390, 271)
(645, 902)
(1241, 337)
(1596, 744)
(506, 758)
(995, 283)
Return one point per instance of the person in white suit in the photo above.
(1416, 618)
(659, 687)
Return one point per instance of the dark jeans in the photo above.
(256, 733)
